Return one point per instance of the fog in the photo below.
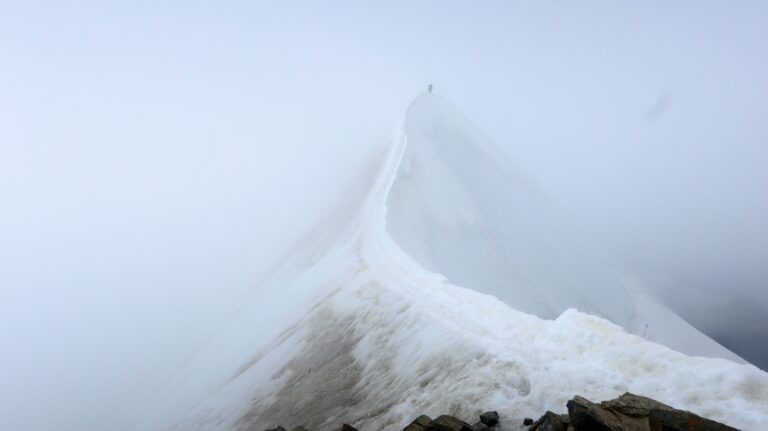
(157, 160)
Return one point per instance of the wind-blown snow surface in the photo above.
(380, 315)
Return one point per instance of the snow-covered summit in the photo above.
(431, 293)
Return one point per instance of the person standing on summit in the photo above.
(429, 88)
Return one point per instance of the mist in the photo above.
(157, 160)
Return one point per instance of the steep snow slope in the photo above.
(459, 209)
(368, 321)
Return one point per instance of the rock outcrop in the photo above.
(550, 422)
(628, 412)
(668, 420)
(490, 419)
(631, 412)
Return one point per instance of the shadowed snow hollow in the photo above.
(429, 293)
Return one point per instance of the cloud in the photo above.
(156, 160)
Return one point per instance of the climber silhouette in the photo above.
(429, 88)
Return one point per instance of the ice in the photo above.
(449, 286)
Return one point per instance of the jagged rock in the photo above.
(586, 415)
(549, 422)
(679, 420)
(448, 423)
(490, 418)
(634, 405)
(628, 412)
(631, 412)
(421, 423)
(423, 420)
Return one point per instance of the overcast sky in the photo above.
(157, 159)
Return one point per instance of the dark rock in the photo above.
(448, 423)
(631, 412)
(634, 405)
(678, 420)
(423, 420)
(628, 412)
(549, 422)
(586, 415)
(421, 423)
(490, 418)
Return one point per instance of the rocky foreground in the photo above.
(628, 412)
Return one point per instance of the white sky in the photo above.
(155, 160)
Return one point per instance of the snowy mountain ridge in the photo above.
(504, 239)
(432, 295)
